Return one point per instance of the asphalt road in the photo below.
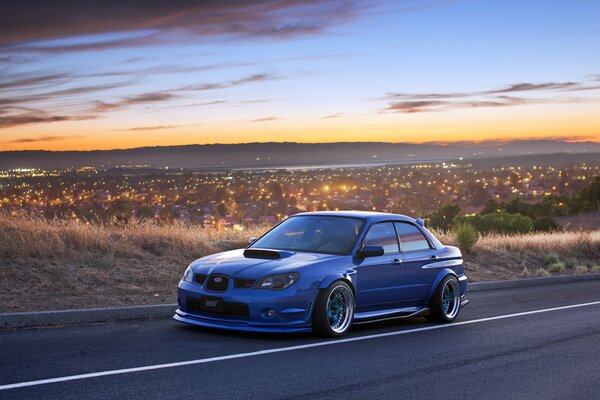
(548, 353)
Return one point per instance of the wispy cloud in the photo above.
(501, 97)
(42, 139)
(264, 119)
(232, 83)
(59, 94)
(23, 82)
(147, 128)
(516, 87)
(331, 116)
(37, 117)
(24, 23)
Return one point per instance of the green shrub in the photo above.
(570, 262)
(443, 218)
(556, 267)
(545, 224)
(466, 236)
(541, 272)
(526, 272)
(549, 258)
(500, 222)
(596, 269)
(581, 269)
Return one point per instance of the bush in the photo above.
(541, 272)
(444, 217)
(545, 224)
(549, 258)
(596, 268)
(581, 269)
(570, 262)
(465, 235)
(526, 272)
(556, 267)
(501, 222)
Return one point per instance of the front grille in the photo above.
(231, 309)
(199, 279)
(217, 283)
(243, 283)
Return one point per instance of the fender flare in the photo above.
(441, 275)
(349, 277)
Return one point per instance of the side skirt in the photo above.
(382, 315)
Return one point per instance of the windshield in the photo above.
(313, 233)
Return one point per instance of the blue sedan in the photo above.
(323, 272)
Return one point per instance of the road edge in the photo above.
(36, 319)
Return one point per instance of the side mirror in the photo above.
(371, 251)
(251, 240)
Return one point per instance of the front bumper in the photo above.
(290, 309)
(247, 326)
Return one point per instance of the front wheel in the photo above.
(445, 304)
(334, 310)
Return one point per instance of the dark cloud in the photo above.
(517, 87)
(60, 94)
(148, 98)
(28, 21)
(415, 106)
(426, 102)
(32, 80)
(34, 117)
(93, 46)
(144, 98)
(443, 105)
(43, 139)
(527, 87)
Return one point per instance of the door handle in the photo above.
(434, 257)
(397, 261)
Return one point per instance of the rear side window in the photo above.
(411, 238)
(384, 235)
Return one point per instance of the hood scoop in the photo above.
(266, 254)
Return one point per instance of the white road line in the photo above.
(282, 349)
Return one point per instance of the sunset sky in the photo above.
(118, 74)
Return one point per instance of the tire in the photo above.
(333, 311)
(445, 304)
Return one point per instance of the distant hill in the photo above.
(555, 159)
(260, 155)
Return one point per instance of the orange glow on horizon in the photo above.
(566, 123)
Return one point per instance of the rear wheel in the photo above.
(445, 304)
(334, 310)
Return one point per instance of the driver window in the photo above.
(384, 235)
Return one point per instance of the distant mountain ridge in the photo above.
(285, 154)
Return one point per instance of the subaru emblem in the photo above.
(217, 279)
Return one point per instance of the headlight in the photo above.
(277, 282)
(188, 275)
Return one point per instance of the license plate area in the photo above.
(211, 304)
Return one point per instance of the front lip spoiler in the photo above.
(232, 325)
(464, 303)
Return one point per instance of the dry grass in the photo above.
(67, 264)
(31, 237)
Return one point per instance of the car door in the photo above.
(378, 278)
(417, 255)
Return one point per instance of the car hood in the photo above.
(233, 263)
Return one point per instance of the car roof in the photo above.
(368, 215)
